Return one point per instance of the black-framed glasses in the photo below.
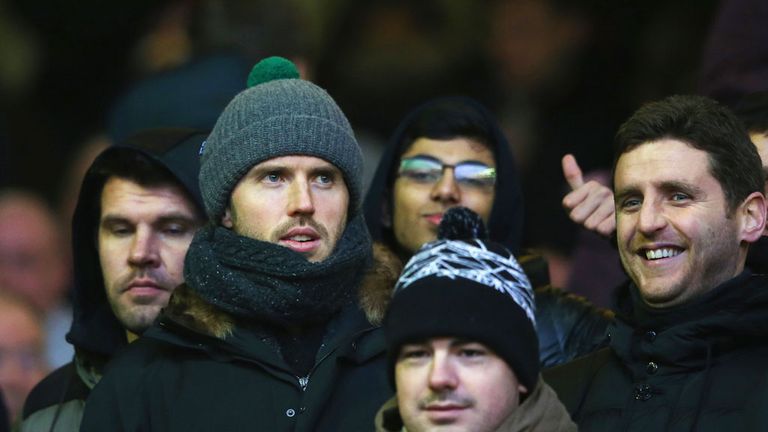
(429, 170)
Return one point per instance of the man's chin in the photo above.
(140, 318)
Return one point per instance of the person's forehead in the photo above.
(666, 159)
(126, 194)
(451, 150)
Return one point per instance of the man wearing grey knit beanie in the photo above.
(267, 333)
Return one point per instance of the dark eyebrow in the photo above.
(174, 217)
(667, 186)
(327, 170)
(430, 157)
(623, 193)
(459, 342)
(423, 156)
(677, 186)
(258, 171)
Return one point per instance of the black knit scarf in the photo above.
(272, 284)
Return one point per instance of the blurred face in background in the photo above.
(435, 175)
(22, 364)
(33, 264)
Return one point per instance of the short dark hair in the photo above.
(448, 119)
(704, 125)
(132, 165)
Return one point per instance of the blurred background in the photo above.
(560, 75)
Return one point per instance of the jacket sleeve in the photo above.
(104, 410)
(568, 326)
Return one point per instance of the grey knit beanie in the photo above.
(279, 114)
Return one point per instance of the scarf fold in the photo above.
(257, 280)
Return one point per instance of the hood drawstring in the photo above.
(705, 389)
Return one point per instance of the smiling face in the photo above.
(144, 234)
(299, 202)
(419, 207)
(450, 384)
(676, 237)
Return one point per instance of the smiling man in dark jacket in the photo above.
(267, 333)
(451, 152)
(138, 209)
(688, 350)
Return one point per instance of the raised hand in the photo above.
(589, 204)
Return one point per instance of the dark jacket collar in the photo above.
(732, 315)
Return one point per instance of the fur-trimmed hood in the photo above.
(188, 309)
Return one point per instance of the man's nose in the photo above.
(300, 200)
(442, 374)
(144, 250)
(651, 218)
(446, 189)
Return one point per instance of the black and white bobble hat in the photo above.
(466, 286)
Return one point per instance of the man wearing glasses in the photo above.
(451, 152)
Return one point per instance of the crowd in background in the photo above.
(560, 75)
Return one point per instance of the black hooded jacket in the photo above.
(568, 326)
(697, 366)
(57, 402)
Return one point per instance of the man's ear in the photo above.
(226, 220)
(752, 213)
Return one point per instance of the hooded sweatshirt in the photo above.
(57, 402)
(568, 326)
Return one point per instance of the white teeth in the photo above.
(661, 253)
(301, 238)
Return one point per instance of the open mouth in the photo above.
(659, 253)
(301, 240)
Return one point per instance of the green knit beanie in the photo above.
(279, 114)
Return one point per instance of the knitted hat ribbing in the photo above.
(278, 115)
(472, 289)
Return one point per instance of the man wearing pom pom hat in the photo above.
(462, 340)
(267, 332)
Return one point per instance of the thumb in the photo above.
(572, 172)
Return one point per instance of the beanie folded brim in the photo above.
(287, 135)
(464, 309)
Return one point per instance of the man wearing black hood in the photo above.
(451, 152)
(138, 209)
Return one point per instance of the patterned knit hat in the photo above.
(279, 114)
(461, 286)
